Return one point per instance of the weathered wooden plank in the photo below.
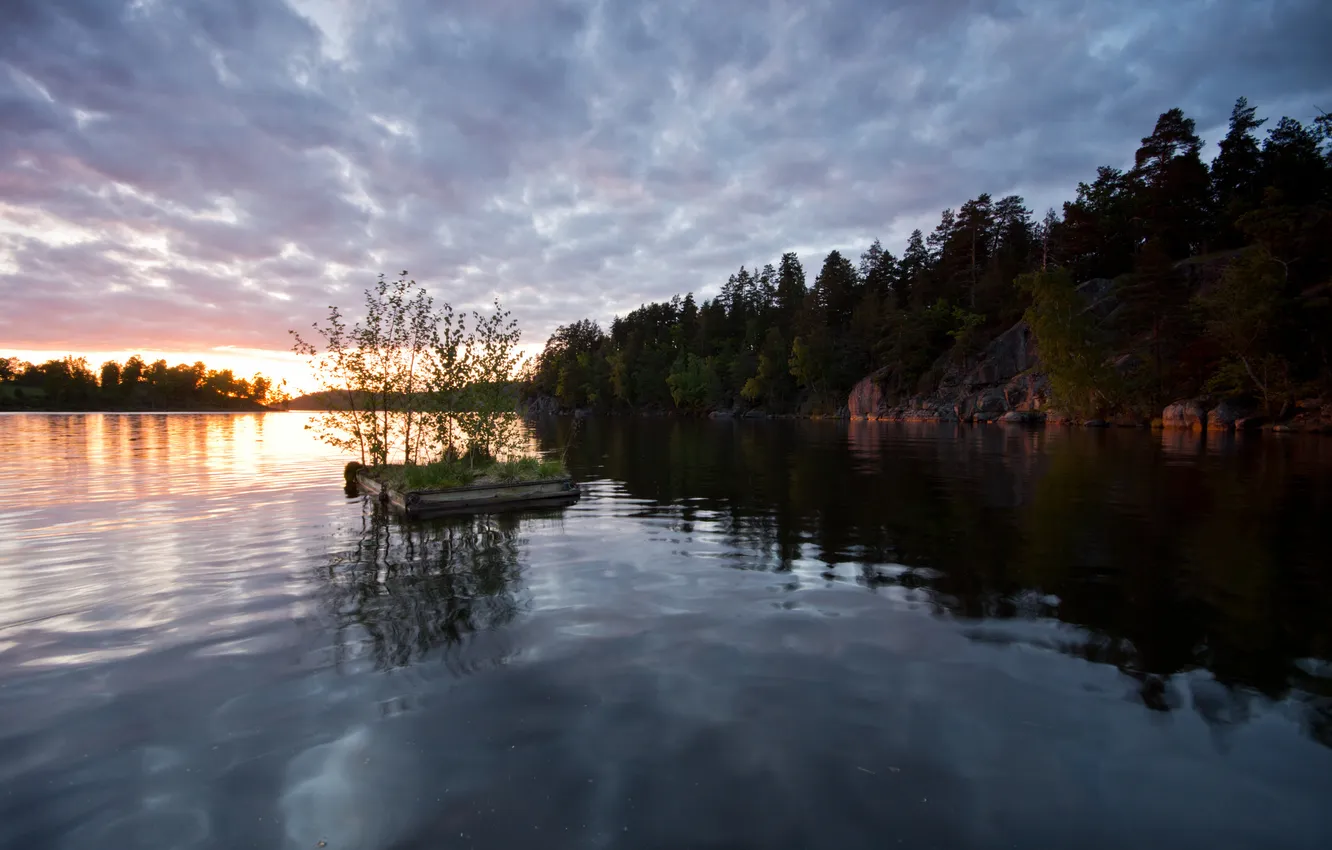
(495, 506)
(475, 498)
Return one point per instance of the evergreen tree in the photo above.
(1236, 172)
(1099, 233)
(878, 272)
(791, 287)
(974, 227)
(1293, 163)
(836, 290)
(915, 263)
(1176, 186)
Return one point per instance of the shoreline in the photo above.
(1031, 421)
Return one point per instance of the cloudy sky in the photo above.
(201, 175)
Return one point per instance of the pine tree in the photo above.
(974, 228)
(1047, 234)
(836, 289)
(915, 262)
(790, 286)
(1099, 233)
(1236, 177)
(878, 271)
(1176, 186)
(1294, 165)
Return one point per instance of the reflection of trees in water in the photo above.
(415, 587)
(1169, 554)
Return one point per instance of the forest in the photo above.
(1221, 275)
(69, 383)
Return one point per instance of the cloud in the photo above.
(212, 173)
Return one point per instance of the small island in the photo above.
(427, 399)
(443, 488)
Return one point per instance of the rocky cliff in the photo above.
(1003, 379)
(1005, 383)
(1002, 382)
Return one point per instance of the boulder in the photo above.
(1250, 423)
(1028, 391)
(866, 397)
(1023, 417)
(1185, 414)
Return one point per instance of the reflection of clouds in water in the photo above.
(347, 792)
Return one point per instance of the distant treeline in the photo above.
(69, 383)
(1222, 285)
(364, 400)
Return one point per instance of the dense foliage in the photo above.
(69, 383)
(1222, 276)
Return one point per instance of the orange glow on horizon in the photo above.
(278, 366)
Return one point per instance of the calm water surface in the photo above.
(766, 635)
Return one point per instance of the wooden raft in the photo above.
(474, 498)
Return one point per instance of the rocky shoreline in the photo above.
(1313, 417)
(1004, 383)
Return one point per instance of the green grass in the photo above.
(459, 473)
(527, 469)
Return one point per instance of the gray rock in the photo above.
(866, 398)
(1190, 414)
(983, 388)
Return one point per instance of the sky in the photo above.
(196, 178)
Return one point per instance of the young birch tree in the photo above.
(373, 371)
(487, 404)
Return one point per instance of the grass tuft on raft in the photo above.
(460, 473)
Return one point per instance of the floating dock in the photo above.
(486, 498)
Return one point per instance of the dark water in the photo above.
(767, 635)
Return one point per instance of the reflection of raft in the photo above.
(481, 498)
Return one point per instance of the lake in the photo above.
(746, 635)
